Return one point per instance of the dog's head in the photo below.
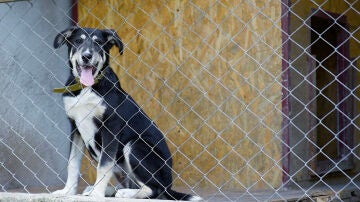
(88, 50)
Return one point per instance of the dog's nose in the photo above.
(86, 57)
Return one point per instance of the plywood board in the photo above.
(208, 73)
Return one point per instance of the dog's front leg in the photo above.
(73, 169)
(105, 168)
(103, 174)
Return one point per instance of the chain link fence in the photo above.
(258, 100)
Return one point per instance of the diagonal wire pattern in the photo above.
(210, 75)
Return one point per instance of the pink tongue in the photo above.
(86, 77)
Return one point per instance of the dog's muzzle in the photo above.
(87, 64)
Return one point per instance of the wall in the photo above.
(209, 74)
(33, 125)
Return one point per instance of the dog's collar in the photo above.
(77, 86)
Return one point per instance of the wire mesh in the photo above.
(257, 100)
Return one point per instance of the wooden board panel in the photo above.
(208, 73)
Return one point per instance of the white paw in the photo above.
(126, 193)
(90, 191)
(97, 194)
(109, 191)
(65, 191)
(87, 190)
(94, 193)
(196, 198)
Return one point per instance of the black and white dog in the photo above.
(109, 124)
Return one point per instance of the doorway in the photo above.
(332, 93)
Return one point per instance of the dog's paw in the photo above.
(93, 193)
(196, 198)
(87, 190)
(65, 191)
(126, 193)
(90, 191)
(109, 191)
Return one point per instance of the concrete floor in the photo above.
(324, 193)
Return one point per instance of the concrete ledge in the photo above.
(17, 197)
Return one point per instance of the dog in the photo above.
(109, 124)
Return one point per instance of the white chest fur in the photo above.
(83, 109)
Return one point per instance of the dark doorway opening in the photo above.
(330, 51)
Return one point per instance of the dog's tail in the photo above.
(174, 195)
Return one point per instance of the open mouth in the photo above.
(86, 74)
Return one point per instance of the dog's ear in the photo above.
(112, 38)
(62, 37)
